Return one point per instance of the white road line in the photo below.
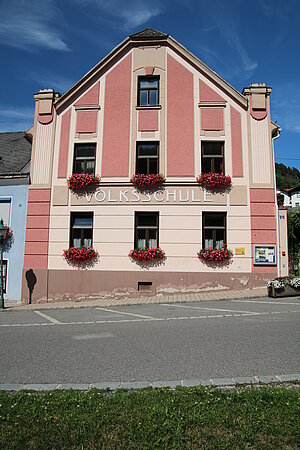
(210, 309)
(127, 313)
(258, 301)
(165, 319)
(45, 316)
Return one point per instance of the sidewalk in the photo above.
(143, 300)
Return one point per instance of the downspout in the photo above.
(276, 204)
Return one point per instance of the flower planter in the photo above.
(215, 255)
(8, 239)
(82, 181)
(144, 181)
(214, 180)
(147, 254)
(287, 291)
(81, 255)
(284, 287)
(9, 233)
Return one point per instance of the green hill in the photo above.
(287, 177)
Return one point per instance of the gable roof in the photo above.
(295, 189)
(15, 152)
(149, 36)
(148, 33)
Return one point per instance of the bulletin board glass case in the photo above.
(264, 254)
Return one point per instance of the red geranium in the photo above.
(211, 179)
(213, 254)
(82, 181)
(80, 254)
(9, 233)
(142, 180)
(147, 254)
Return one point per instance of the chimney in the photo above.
(258, 98)
(43, 137)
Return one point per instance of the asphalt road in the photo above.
(151, 342)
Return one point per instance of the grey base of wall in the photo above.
(40, 285)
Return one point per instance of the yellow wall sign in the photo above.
(239, 250)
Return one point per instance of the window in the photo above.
(214, 230)
(84, 158)
(212, 157)
(147, 157)
(5, 209)
(81, 230)
(146, 230)
(148, 91)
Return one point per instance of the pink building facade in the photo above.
(151, 107)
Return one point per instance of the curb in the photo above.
(134, 301)
(216, 382)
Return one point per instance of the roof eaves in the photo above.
(10, 175)
(138, 37)
(297, 188)
(64, 98)
(213, 75)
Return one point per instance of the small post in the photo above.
(3, 231)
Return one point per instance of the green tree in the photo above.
(294, 241)
(287, 177)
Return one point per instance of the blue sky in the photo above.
(52, 44)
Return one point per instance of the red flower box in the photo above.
(147, 254)
(80, 255)
(9, 233)
(213, 254)
(213, 180)
(82, 181)
(142, 180)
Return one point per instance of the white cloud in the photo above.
(137, 18)
(15, 119)
(285, 106)
(246, 62)
(30, 25)
(278, 8)
(131, 13)
(224, 24)
(50, 81)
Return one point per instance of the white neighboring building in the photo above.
(289, 197)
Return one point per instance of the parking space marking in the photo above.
(45, 316)
(210, 309)
(127, 313)
(258, 301)
(154, 319)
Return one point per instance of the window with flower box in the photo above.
(81, 231)
(148, 91)
(212, 157)
(213, 230)
(84, 158)
(146, 230)
(147, 160)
